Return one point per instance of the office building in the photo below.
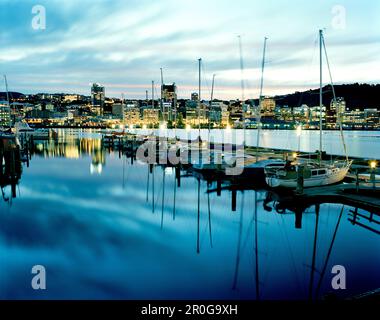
(97, 99)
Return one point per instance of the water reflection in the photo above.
(138, 231)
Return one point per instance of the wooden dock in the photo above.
(364, 197)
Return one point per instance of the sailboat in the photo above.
(314, 173)
(6, 132)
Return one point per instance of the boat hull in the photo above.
(328, 179)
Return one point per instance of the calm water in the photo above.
(88, 216)
(364, 144)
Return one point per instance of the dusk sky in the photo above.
(123, 45)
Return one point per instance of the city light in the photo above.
(163, 126)
(144, 127)
(299, 131)
(228, 128)
(373, 164)
(188, 127)
(295, 155)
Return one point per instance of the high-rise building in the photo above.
(338, 107)
(97, 98)
(169, 100)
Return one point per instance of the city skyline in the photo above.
(123, 46)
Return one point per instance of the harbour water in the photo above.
(364, 144)
(105, 226)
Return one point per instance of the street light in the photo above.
(373, 164)
(163, 126)
(299, 132)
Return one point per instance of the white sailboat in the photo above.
(313, 173)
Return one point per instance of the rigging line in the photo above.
(309, 67)
(237, 261)
(329, 253)
(256, 252)
(313, 269)
(205, 80)
(209, 217)
(293, 262)
(334, 97)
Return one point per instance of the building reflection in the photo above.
(72, 147)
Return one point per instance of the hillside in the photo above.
(359, 96)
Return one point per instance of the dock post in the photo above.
(300, 179)
(357, 180)
(13, 171)
(233, 205)
(373, 178)
(178, 175)
(298, 213)
(1, 158)
(218, 187)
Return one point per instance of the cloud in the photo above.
(118, 42)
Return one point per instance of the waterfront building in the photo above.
(301, 113)
(268, 106)
(354, 119)
(169, 101)
(132, 116)
(151, 116)
(225, 119)
(315, 114)
(194, 96)
(372, 117)
(4, 114)
(70, 97)
(338, 108)
(194, 119)
(218, 113)
(97, 99)
(118, 110)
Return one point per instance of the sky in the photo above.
(122, 44)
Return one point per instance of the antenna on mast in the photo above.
(242, 87)
(258, 117)
(199, 98)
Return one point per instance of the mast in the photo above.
(258, 118)
(212, 97)
(242, 87)
(320, 95)
(199, 98)
(152, 94)
(162, 85)
(123, 108)
(9, 107)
